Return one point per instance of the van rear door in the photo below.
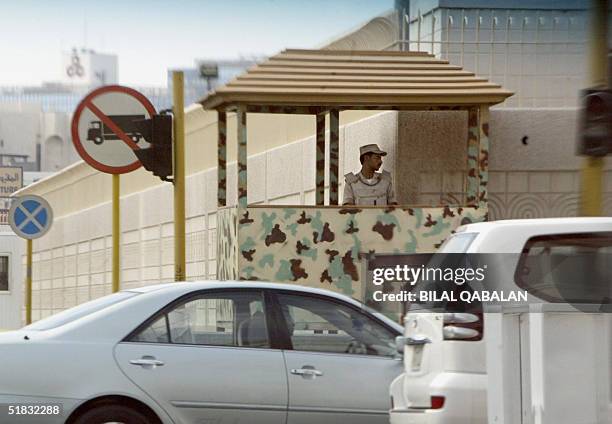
(423, 359)
(424, 332)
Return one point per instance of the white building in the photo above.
(35, 121)
(35, 140)
(85, 67)
(535, 48)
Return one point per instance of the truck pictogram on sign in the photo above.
(98, 132)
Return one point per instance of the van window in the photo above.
(573, 268)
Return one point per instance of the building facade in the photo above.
(538, 49)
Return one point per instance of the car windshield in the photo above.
(80, 311)
(451, 255)
(458, 243)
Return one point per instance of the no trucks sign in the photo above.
(103, 128)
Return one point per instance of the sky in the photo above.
(152, 36)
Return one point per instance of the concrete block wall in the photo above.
(541, 55)
(539, 194)
(73, 265)
(534, 171)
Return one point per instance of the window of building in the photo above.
(4, 273)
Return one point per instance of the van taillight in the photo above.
(463, 326)
(437, 402)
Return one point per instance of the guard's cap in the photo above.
(371, 148)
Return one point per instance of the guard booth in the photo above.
(326, 245)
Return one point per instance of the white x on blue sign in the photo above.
(30, 216)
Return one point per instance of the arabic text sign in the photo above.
(11, 180)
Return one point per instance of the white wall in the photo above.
(542, 178)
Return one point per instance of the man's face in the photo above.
(374, 161)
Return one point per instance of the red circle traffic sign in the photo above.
(103, 132)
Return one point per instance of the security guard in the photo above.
(369, 187)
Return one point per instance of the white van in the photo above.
(445, 379)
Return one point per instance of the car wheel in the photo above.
(113, 414)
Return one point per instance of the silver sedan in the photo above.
(211, 352)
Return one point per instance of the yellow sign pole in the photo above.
(591, 186)
(592, 171)
(28, 290)
(116, 231)
(179, 176)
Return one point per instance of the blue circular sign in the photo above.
(30, 216)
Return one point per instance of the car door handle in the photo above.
(147, 361)
(307, 372)
(417, 340)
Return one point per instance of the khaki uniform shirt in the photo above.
(359, 191)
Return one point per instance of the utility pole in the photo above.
(116, 231)
(180, 273)
(165, 158)
(592, 171)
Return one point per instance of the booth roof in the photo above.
(348, 79)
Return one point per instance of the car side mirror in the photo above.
(400, 343)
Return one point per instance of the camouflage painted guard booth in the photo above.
(325, 245)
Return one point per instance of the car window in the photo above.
(318, 325)
(216, 319)
(156, 332)
(567, 267)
